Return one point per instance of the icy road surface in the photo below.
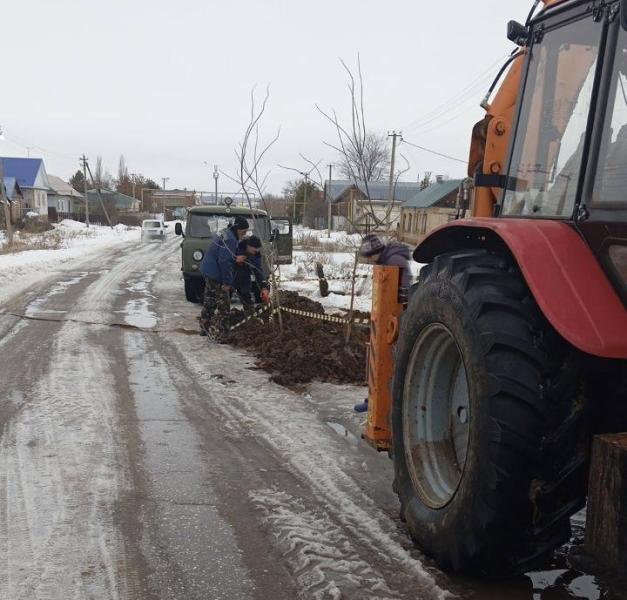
(139, 461)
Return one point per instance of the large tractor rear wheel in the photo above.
(490, 441)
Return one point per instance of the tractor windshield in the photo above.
(610, 186)
(547, 153)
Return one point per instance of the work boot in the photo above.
(362, 407)
(203, 327)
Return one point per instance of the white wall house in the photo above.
(30, 173)
(61, 195)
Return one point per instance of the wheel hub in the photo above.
(436, 416)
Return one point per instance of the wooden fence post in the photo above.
(606, 522)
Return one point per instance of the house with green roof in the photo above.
(429, 208)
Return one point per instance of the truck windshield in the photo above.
(206, 225)
(547, 152)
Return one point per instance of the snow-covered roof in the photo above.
(61, 188)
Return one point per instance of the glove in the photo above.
(265, 296)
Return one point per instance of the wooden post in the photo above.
(606, 522)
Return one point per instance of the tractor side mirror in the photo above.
(178, 229)
(623, 13)
(517, 33)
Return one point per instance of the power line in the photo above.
(434, 152)
(453, 101)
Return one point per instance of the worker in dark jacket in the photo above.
(218, 269)
(389, 254)
(250, 277)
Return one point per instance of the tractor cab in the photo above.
(568, 158)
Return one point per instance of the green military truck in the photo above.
(205, 222)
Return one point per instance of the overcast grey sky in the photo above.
(167, 83)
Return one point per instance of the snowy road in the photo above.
(139, 461)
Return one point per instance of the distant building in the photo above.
(30, 174)
(429, 208)
(116, 200)
(364, 206)
(63, 199)
(171, 202)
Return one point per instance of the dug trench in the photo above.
(306, 349)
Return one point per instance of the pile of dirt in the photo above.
(307, 349)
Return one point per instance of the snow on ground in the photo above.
(336, 254)
(39, 253)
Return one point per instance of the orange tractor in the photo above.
(511, 352)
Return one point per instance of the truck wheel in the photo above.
(193, 291)
(490, 436)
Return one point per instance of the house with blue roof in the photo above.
(429, 208)
(30, 174)
(364, 205)
(13, 193)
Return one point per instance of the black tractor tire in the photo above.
(525, 468)
(194, 291)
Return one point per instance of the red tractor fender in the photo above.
(561, 271)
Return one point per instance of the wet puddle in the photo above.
(350, 437)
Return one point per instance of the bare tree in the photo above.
(250, 179)
(361, 164)
(355, 144)
(123, 182)
(376, 159)
(102, 178)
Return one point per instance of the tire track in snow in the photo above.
(60, 462)
(325, 562)
(62, 479)
(293, 431)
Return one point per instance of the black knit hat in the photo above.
(372, 244)
(240, 223)
(253, 241)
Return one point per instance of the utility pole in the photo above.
(393, 135)
(305, 196)
(97, 188)
(216, 175)
(84, 163)
(329, 205)
(165, 180)
(5, 203)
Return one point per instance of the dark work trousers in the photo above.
(216, 304)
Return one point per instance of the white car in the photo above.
(153, 229)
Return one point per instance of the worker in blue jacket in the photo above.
(218, 269)
(250, 275)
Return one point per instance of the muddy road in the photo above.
(137, 460)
